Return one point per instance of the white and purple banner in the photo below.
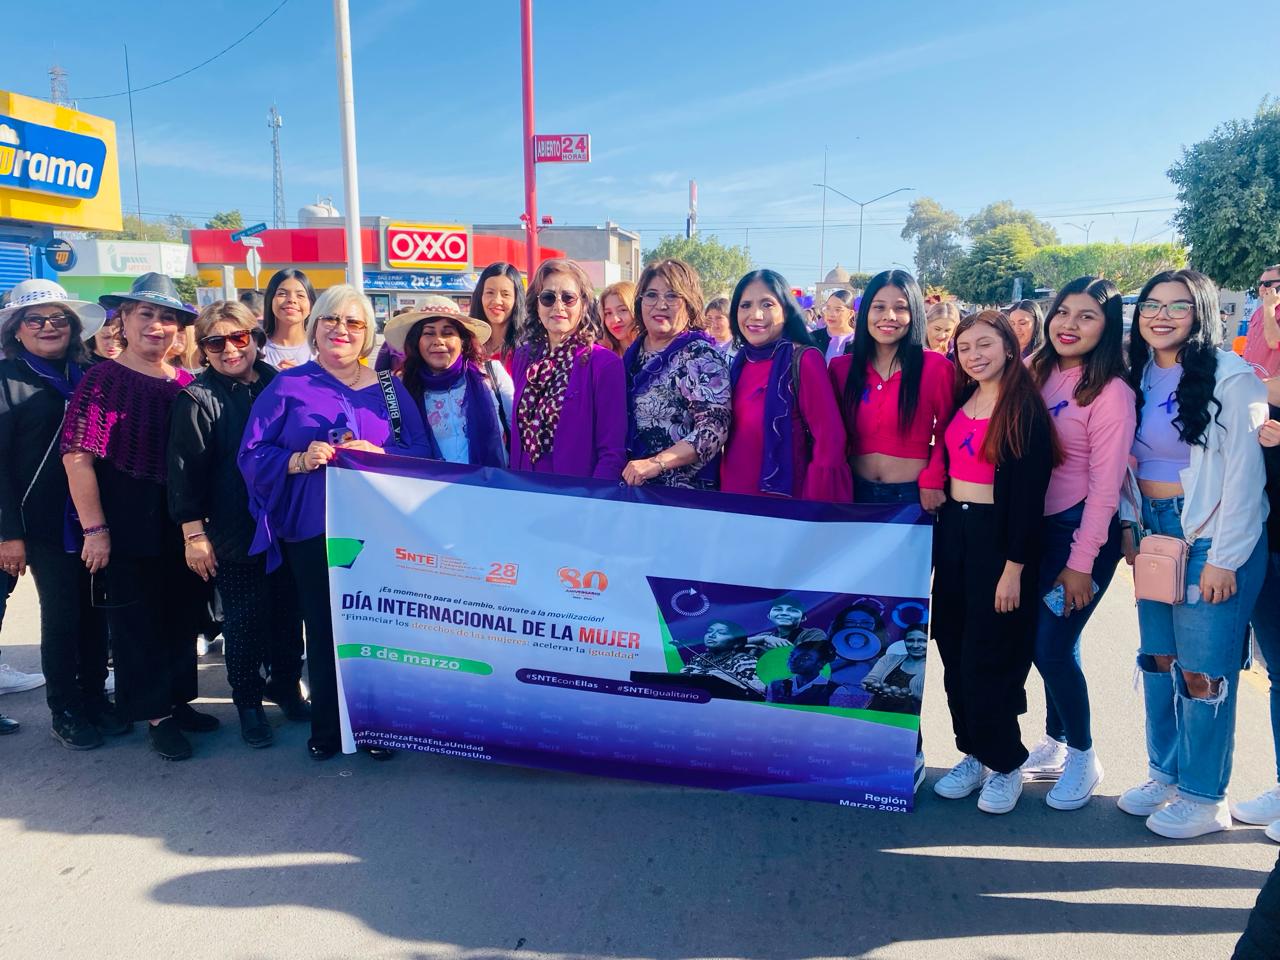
(752, 644)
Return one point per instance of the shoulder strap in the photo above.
(393, 403)
(502, 413)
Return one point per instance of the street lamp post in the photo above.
(862, 206)
(347, 112)
(1086, 229)
(530, 174)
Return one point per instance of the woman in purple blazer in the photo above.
(570, 401)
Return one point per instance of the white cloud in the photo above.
(8, 134)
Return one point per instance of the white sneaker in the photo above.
(964, 778)
(1262, 810)
(14, 681)
(110, 686)
(1184, 819)
(1000, 793)
(1145, 800)
(1273, 831)
(919, 774)
(1079, 779)
(1047, 760)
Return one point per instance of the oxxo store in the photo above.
(58, 170)
(403, 261)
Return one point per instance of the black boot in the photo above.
(74, 732)
(254, 728)
(192, 721)
(102, 714)
(289, 699)
(168, 741)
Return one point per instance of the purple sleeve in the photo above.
(264, 463)
(609, 391)
(519, 364)
(413, 430)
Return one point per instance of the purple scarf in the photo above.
(642, 374)
(65, 384)
(484, 434)
(777, 467)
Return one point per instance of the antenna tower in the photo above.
(275, 122)
(58, 93)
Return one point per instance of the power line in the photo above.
(190, 70)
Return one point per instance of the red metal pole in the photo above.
(530, 173)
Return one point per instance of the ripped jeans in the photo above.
(1190, 740)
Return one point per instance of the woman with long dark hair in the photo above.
(1027, 319)
(1001, 450)
(1201, 479)
(499, 301)
(786, 437)
(896, 397)
(286, 306)
(1081, 375)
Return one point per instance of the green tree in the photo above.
(719, 266)
(1229, 191)
(1003, 212)
(986, 273)
(936, 231)
(1128, 266)
(186, 288)
(168, 230)
(226, 220)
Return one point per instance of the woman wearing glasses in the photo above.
(114, 447)
(298, 425)
(677, 385)
(207, 498)
(1201, 479)
(41, 332)
(837, 315)
(570, 399)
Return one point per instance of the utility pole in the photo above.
(530, 174)
(58, 93)
(133, 135)
(822, 237)
(275, 122)
(347, 110)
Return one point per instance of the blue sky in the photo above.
(1073, 110)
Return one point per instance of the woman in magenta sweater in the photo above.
(896, 396)
(786, 438)
(1080, 371)
(571, 397)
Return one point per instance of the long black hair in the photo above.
(414, 365)
(515, 319)
(910, 349)
(1037, 323)
(793, 326)
(1104, 361)
(277, 278)
(1198, 355)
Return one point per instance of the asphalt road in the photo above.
(265, 854)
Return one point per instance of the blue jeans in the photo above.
(1057, 655)
(1190, 740)
(872, 491)
(1266, 627)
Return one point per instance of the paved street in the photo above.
(264, 854)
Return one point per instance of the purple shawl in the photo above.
(484, 433)
(777, 467)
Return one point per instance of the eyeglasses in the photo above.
(1268, 284)
(352, 324)
(1178, 310)
(218, 342)
(59, 321)
(548, 298)
(651, 298)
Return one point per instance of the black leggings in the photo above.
(261, 628)
(308, 564)
(73, 635)
(986, 656)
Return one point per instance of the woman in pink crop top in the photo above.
(896, 397)
(1000, 449)
(1080, 371)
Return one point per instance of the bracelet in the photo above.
(95, 530)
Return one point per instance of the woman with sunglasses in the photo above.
(208, 499)
(1201, 478)
(301, 422)
(570, 392)
(44, 359)
(786, 438)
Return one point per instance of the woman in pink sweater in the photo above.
(1080, 371)
(786, 437)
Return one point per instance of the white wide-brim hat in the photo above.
(434, 307)
(32, 293)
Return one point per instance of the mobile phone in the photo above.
(1056, 599)
(340, 435)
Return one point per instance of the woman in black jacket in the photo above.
(1000, 449)
(207, 496)
(41, 333)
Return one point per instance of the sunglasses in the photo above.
(59, 321)
(1175, 311)
(1269, 284)
(353, 324)
(240, 339)
(548, 298)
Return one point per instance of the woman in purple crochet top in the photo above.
(113, 446)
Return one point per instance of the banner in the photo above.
(753, 644)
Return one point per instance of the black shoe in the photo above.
(74, 732)
(102, 714)
(254, 728)
(8, 725)
(320, 751)
(378, 753)
(291, 702)
(193, 721)
(168, 741)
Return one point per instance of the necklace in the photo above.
(350, 384)
(972, 412)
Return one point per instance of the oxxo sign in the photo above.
(428, 246)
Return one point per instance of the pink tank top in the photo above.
(963, 439)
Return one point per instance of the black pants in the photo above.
(152, 606)
(261, 628)
(986, 656)
(73, 635)
(308, 564)
(7, 582)
(1262, 934)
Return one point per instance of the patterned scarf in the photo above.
(542, 398)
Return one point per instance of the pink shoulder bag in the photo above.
(1160, 569)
